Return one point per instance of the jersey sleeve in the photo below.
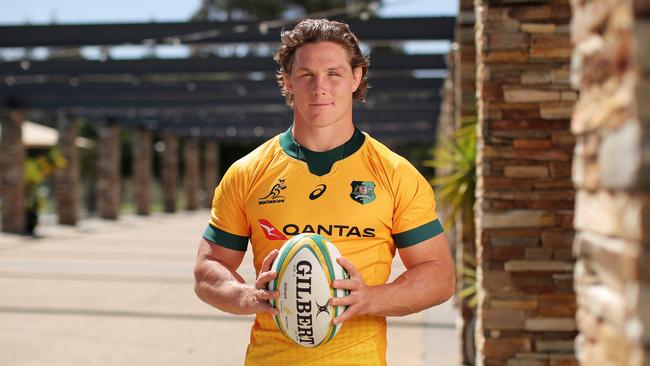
(228, 225)
(414, 217)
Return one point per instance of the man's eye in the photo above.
(334, 74)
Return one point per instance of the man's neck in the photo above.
(321, 139)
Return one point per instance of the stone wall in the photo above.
(465, 113)
(12, 164)
(524, 213)
(611, 68)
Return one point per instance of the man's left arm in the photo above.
(429, 280)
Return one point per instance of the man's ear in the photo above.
(357, 74)
(287, 83)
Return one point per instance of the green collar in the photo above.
(320, 163)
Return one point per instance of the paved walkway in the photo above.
(121, 293)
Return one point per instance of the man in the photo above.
(323, 175)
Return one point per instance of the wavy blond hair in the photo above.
(320, 30)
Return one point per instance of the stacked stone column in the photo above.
(465, 114)
(108, 172)
(191, 172)
(612, 172)
(142, 171)
(170, 171)
(66, 179)
(524, 213)
(12, 167)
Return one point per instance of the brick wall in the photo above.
(524, 213)
(611, 68)
(465, 112)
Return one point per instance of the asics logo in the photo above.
(320, 189)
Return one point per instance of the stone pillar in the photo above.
(465, 61)
(170, 171)
(465, 114)
(66, 179)
(108, 172)
(211, 170)
(12, 181)
(191, 171)
(525, 197)
(142, 170)
(611, 169)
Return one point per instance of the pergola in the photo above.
(209, 97)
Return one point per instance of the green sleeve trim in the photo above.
(225, 239)
(419, 234)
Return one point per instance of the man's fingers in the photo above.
(352, 270)
(267, 295)
(347, 314)
(265, 307)
(346, 300)
(351, 285)
(264, 279)
(268, 260)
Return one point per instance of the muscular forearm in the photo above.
(424, 285)
(222, 288)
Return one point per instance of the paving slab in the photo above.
(121, 293)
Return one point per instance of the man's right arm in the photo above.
(217, 283)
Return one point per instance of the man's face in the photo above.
(322, 82)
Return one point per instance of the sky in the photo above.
(124, 11)
(39, 12)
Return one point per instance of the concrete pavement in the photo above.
(121, 293)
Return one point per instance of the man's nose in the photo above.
(320, 86)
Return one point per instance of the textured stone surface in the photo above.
(66, 179)
(538, 265)
(610, 170)
(526, 196)
(460, 101)
(551, 324)
(518, 219)
(142, 171)
(12, 164)
(108, 172)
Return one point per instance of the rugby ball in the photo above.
(306, 266)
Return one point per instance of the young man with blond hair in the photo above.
(323, 175)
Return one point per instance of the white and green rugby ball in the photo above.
(306, 266)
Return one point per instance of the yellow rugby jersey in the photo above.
(364, 198)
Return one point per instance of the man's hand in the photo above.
(218, 283)
(261, 295)
(427, 281)
(360, 298)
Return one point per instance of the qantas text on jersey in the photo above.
(330, 230)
